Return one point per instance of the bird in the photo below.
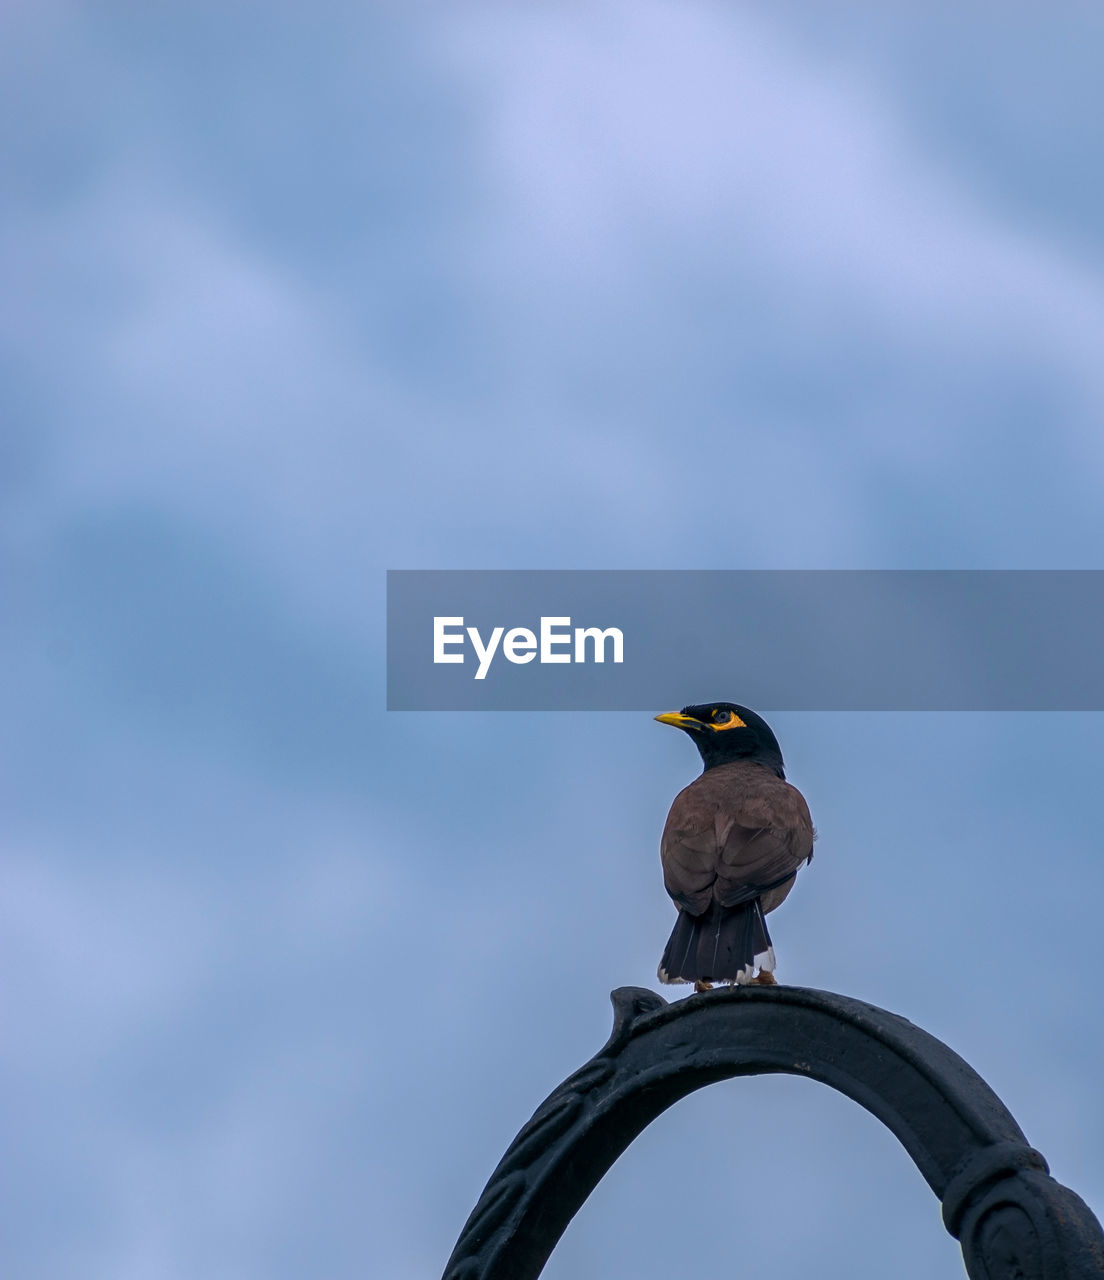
(731, 848)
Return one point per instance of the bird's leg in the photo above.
(765, 979)
(701, 985)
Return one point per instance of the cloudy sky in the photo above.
(295, 294)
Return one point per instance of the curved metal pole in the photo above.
(1013, 1220)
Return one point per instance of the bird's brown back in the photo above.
(736, 833)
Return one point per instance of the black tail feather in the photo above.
(715, 946)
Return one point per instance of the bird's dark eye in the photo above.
(722, 717)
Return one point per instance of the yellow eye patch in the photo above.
(726, 720)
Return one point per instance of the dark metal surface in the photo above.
(1013, 1220)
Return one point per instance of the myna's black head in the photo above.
(724, 731)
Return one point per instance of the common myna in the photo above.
(734, 840)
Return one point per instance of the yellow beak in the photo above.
(677, 719)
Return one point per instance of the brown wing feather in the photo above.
(736, 833)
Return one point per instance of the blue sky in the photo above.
(298, 294)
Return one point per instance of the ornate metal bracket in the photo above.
(1014, 1221)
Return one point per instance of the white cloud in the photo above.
(631, 140)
